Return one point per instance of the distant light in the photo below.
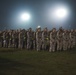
(25, 16)
(61, 12)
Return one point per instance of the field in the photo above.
(23, 62)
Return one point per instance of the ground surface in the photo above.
(23, 62)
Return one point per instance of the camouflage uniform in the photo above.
(59, 39)
(72, 38)
(13, 38)
(69, 39)
(45, 39)
(29, 39)
(34, 40)
(10, 38)
(65, 40)
(0, 39)
(4, 39)
(53, 38)
(7, 39)
(75, 37)
(24, 39)
(38, 39)
(16, 39)
(21, 39)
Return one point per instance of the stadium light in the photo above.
(25, 16)
(61, 13)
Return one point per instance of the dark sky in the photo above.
(10, 10)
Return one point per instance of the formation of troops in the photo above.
(48, 40)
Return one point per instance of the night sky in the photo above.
(39, 10)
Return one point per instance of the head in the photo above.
(39, 29)
(30, 29)
(54, 30)
(45, 29)
(61, 29)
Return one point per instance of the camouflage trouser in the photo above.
(65, 45)
(39, 44)
(24, 44)
(69, 44)
(19, 46)
(13, 43)
(1, 43)
(16, 42)
(5, 43)
(75, 41)
(10, 42)
(59, 44)
(45, 43)
(34, 44)
(21, 43)
(72, 43)
(29, 43)
(52, 46)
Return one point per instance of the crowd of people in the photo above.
(49, 40)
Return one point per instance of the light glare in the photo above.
(25, 16)
(61, 12)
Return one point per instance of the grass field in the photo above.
(23, 62)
